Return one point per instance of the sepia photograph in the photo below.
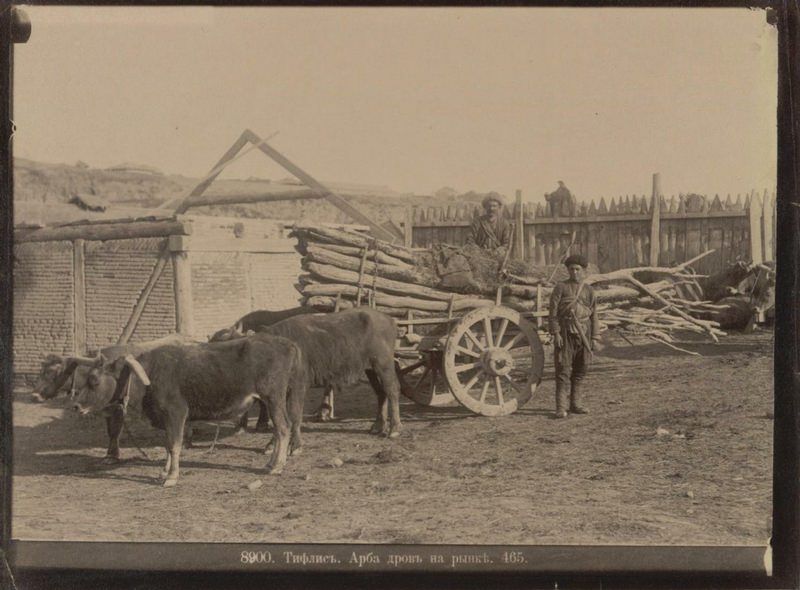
(394, 288)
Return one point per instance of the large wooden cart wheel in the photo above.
(493, 361)
(421, 376)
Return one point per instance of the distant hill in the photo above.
(42, 195)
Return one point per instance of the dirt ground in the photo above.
(677, 450)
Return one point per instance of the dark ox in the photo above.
(255, 320)
(339, 348)
(218, 381)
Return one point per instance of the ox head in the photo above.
(59, 373)
(232, 333)
(101, 384)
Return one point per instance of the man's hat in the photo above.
(576, 259)
(497, 197)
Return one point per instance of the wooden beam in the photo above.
(408, 228)
(655, 221)
(234, 199)
(105, 231)
(755, 211)
(325, 192)
(182, 288)
(79, 296)
(127, 331)
(231, 244)
(200, 188)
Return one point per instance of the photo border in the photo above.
(29, 564)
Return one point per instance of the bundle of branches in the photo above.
(345, 269)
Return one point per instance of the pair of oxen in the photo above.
(269, 357)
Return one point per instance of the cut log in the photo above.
(329, 257)
(331, 290)
(372, 255)
(353, 239)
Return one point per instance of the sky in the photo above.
(414, 99)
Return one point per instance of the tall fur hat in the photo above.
(576, 259)
(497, 197)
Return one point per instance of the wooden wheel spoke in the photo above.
(410, 368)
(514, 384)
(487, 330)
(422, 377)
(501, 332)
(471, 335)
(466, 367)
(499, 386)
(468, 385)
(484, 391)
(467, 352)
(514, 340)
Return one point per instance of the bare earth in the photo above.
(677, 450)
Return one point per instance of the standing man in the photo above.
(561, 201)
(576, 331)
(491, 231)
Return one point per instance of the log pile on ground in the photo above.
(346, 269)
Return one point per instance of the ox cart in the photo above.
(483, 352)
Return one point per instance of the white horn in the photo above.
(137, 368)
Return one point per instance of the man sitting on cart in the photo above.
(491, 231)
(576, 331)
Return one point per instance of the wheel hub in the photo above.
(497, 361)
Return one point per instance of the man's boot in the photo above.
(576, 395)
(561, 401)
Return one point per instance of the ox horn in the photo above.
(137, 368)
(82, 360)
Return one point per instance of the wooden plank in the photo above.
(755, 212)
(311, 182)
(79, 296)
(766, 228)
(182, 288)
(106, 231)
(519, 228)
(655, 221)
(408, 228)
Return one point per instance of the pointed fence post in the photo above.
(655, 220)
(755, 212)
(520, 229)
(408, 230)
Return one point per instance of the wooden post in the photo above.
(520, 237)
(655, 220)
(408, 231)
(79, 296)
(755, 212)
(766, 224)
(182, 287)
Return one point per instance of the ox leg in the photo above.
(381, 424)
(296, 400)
(114, 418)
(263, 417)
(280, 437)
(175, 427)
(389, 396)
(325, 410)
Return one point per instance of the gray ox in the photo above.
(217, 381)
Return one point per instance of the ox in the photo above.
(255, 320)
(217, 381)
(339, 348)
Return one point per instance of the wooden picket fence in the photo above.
(626, 232)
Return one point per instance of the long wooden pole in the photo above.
(325, 192)
(520, 233)
(79, 295)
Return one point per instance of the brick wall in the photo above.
(43, 306)
(116, 273)
(272, 279)
(220, 290)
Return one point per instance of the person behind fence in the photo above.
(561, 201)
(575, 328)
(491, 230)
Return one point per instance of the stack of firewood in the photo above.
(346, 269)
